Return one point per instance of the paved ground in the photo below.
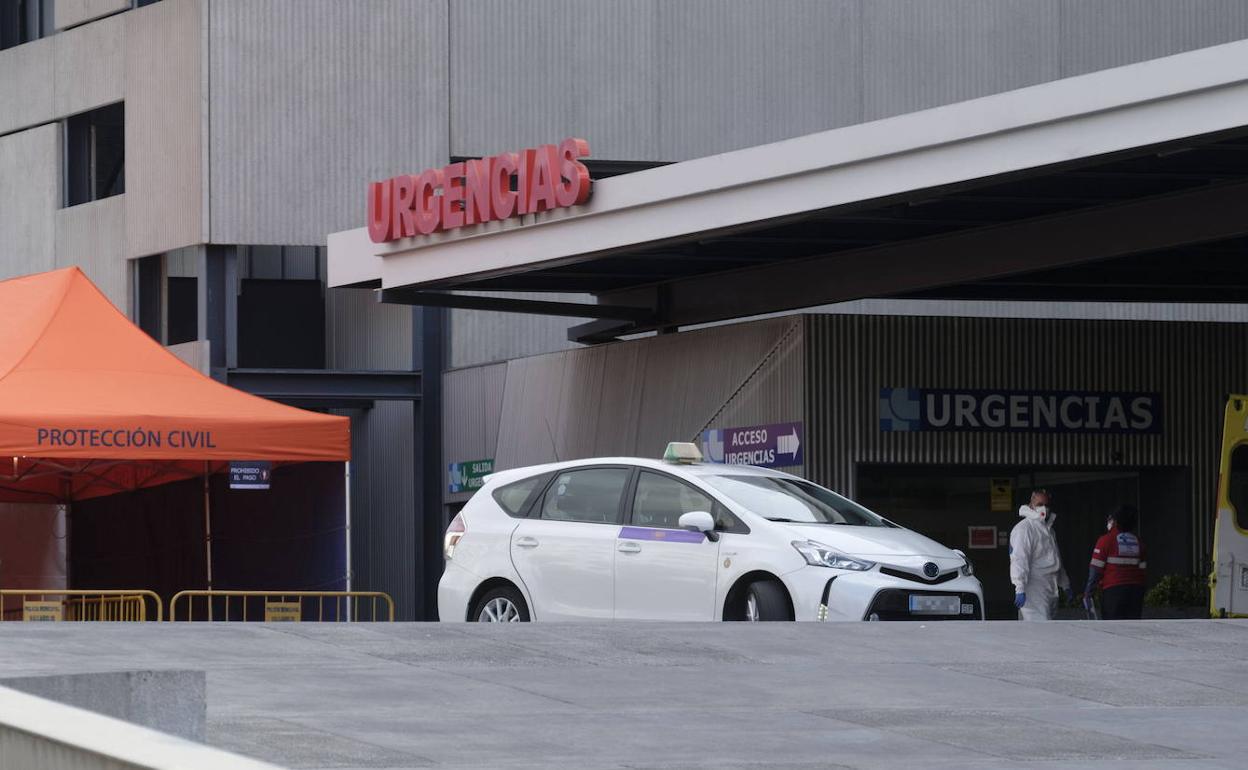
(1152, 694)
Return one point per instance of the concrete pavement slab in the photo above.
(1153, 694)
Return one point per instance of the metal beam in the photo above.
(328, 388)
(507, 305)
(602, 330)
(1189, 294)
(1151, 224)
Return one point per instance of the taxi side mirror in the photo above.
(699, 521)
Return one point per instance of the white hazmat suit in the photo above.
(1035, 564)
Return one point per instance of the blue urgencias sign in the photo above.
(1018, 411)
(771, 446)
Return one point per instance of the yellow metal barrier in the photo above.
(82, 604)
(276, 606)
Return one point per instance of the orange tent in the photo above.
(91, 405)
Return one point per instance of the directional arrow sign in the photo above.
(770, 446)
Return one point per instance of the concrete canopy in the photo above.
(956, 201)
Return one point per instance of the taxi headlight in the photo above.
(820, 555)
(967, 569)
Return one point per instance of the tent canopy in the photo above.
(91, 405)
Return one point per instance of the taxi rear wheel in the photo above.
(500, 605)
(766, 600)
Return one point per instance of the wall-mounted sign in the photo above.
(981, 537)
(250, 474)
(1002, 493)
(1018, 411)
(469, 476)
(502, 186)
(770, 446)
(42, 610)
(282, 612)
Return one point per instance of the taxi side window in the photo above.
(725, 521)
(590, 495)
(661, 500)
(514, 497)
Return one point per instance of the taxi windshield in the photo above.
(792, 500)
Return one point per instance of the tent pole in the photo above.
(208, 535)
(347, 496)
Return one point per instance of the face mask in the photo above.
(1109, 525)
(1043, 510)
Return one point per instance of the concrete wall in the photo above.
(93, 236)
(165, 183)
(73, 12)
(250, 124)
(30, 190)
(919, 55)
(307, 107)
(173, 702)
(26, 84)
(89, 66)
(66, 73)
(150, 59)
(650, 80)
(39, 734)
(625, 398)
(482, 336)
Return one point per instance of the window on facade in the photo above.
(183, 311)
(22, 21)
(95, 154)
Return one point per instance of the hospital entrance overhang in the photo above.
(1125, 184)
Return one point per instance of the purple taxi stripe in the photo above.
(668, 535)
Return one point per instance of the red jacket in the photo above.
(1121, 556)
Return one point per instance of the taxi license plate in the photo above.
(935, 605)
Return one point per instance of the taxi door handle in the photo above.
(526, 542)
(628, 547)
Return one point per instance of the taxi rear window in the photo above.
(514, 498)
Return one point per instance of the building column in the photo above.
(429, 356)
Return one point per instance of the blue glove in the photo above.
(1020, 600)
(1067, 594)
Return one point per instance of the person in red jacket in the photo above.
(1119, 567)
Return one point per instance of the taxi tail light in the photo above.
(453, 534)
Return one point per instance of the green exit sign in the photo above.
(468, 476)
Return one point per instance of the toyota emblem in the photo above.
(931, 570)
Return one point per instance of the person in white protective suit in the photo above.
(1035, 564)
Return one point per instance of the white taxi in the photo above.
(679, 539)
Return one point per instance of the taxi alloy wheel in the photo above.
(751, 608)
(499, 610)
(500, 604)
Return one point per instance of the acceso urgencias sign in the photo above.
(1018, 411)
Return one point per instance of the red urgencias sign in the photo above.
(546, 177)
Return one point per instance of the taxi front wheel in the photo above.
(767, 600)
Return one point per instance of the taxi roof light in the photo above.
(682, 452)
